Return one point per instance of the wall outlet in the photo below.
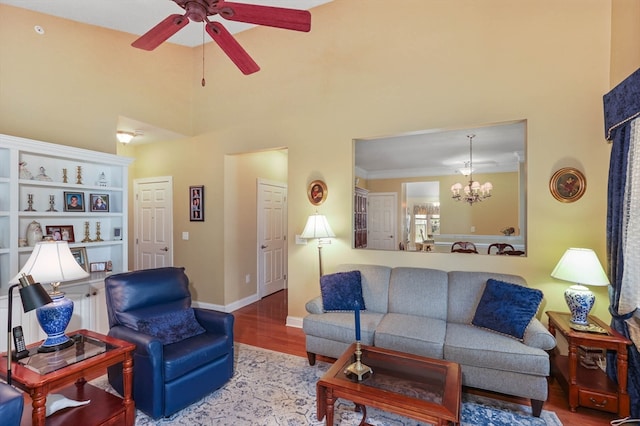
(473, 229)
(247, 278)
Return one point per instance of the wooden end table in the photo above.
(84, 359)
(589, 387)
(421, 388)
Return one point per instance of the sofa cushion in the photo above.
(340, 326)
(341, 291)
(172, 326)
(413, 334)
(507, 308)
(465, 291)
(469, 345)
(418, 291)
(375, 284)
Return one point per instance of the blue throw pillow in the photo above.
(172, 327)
(507, 308)
(341, 291)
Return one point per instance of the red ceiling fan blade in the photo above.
(290, 19)
(161, 32)
(232, 48)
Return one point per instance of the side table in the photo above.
(70, 367)
(589, 387)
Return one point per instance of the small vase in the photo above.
(34, 233)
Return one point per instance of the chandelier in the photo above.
(473, 192)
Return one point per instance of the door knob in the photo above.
(263, 246)
(165, 249)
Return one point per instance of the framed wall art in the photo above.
(99, 202)
(61, 233)
(317, 192)
(80, 255)
(567, 185)
(73, 201)
(196, 203)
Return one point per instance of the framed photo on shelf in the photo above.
(98, 266)
(317, 192)
(567, 185)
(73, 201)
(99, 202)
(80, 255)
(61, 233)
(196, 203)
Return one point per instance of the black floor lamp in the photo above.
(33, 296)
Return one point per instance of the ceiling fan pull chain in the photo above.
(203, 81)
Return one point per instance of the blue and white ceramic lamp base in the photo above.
(54, 319)
(580, 301)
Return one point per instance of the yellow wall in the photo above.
(361, 72)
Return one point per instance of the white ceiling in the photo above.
(139, 16)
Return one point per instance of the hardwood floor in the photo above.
(262, 324)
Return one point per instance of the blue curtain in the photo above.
(621, 107)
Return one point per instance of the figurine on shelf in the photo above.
(79, 176)
(102, 180)
(43, 176)
(65, 179)
(98, 232)
(24, 172)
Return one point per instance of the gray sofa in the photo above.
(428, 312)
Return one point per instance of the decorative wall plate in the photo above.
(317, 192)
(567, 185)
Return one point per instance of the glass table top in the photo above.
(84, 347)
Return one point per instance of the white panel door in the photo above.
(382, 221)
(272, 238)
(153, 222)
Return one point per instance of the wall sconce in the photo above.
(318, 227)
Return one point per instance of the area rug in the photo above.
(270, 388)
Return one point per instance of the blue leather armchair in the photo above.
(11, 405)
(170, 372)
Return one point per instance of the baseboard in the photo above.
(294, 322)
(227, 308)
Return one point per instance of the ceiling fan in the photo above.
(200, 10)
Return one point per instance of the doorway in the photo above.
(153, 222)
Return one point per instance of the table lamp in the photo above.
(580, 266)
(52, 262)
(33, 296)
(318, 227)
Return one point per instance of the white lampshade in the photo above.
(581, 266)
(317, 227)
(52, 262)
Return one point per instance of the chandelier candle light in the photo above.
(580, 266)
(474, 191)
(52, 262)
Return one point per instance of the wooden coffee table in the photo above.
(88, 358)
(421, 388)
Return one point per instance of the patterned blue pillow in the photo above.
(507, 308)
(341, 291)
(172, 327)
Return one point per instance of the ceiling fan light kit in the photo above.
(201, 10)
